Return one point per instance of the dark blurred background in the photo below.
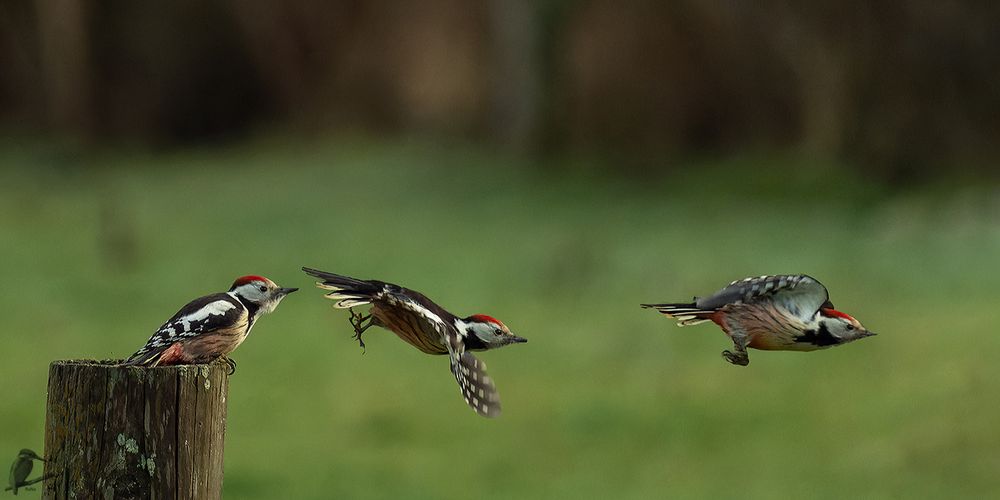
(899, 89)
(552, 164)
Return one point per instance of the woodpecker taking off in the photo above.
(428, 327)
(780, 313)
(211, 326)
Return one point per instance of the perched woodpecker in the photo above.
(21, 468)
(780, 313)
(211, 326)
(428, 327)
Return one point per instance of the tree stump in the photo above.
(115, 431)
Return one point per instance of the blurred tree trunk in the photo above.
(820, 62)
(294, 45)
(65, 61)
(516, 89)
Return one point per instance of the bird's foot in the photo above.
(358, 322)
(737, 358)
(229, 363)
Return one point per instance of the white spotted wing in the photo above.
(799, 294)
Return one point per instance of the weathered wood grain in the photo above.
(115, 431)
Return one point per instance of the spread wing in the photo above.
(419, 323)
(418, 311)
(799, 294)
(412, 312)
(201, 315)
(408, 313)
(477, 387)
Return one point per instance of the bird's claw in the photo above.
(357, 321)
(738, 358)
(357, 336)
(230, 363)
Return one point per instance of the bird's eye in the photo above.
(850, 327)
(262, 288)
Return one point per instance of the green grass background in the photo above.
(606, 400)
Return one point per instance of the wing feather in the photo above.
(201, 315)
(800, 294)
(398, 305)
(478, 389)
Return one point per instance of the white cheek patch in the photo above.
(476, 329)
(250, 291)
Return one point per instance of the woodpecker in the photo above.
(779, 313)
(21, 468)
(211, 326)
(428, 327)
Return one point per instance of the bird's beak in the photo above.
(869, 334)
(514, 339)
(286, 291)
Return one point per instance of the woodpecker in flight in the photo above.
(428, 327)
(211, 326)
(21, 468)
(779, 313)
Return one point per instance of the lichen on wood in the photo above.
(125, 432)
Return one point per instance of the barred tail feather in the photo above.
(347, 302)
(337, 281)
(685, 314)
(349, 292)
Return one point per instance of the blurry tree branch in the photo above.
(895, 86)
(63, 31)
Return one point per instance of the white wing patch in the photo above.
(429, 316)
(405, 302)
(216, 313)
(217, 308)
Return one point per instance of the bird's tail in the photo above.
(347, 291)
(143, 357)
(685, 314)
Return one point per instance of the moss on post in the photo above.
(125, 432)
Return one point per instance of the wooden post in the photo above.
(116, 431)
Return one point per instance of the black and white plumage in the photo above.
(211, 326)
(428, 327)
(781, 312)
